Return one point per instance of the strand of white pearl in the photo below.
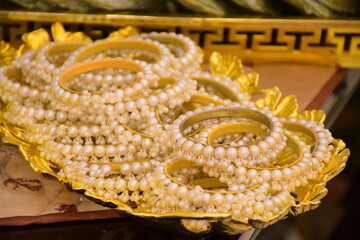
(112, 134)
(279, 178)
(100, 82)
(124, 151)
(289, 176)
(130, 53)
(146, 80)
(233, 140)
(158, 68)
(95, 104)
(26, 116)
(189, 62)
(225, 170)
(163, 120)
(234, 86)
(17, 91)
(323, 152)
(34, 72)
(188, 149)
(97, 179)
(263, 159)
(163, 100)
(168, 196)
(312, 162)
(40, 70)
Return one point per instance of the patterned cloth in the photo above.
(26, 197)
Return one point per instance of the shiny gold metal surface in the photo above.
(254, 40)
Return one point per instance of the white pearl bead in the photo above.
(99, 151)
(231, 153)
(136, 168)
(120, 108)
(122, 150)
(141, 102)
(129, 92)
(130, 106)
(219, 152)
(264, 146)
(40, 114)
(182, 192)
(136, 139)
(217, 199)
(144, 186)
(259, 208)
(106, 169)
(24, 92)
(120, 185)
(265, 175)
(172, 188)
(269, 204)
(153, 101)
(244, 152)
(206, 198)
(252, 174)
(125, 169)
(88, 150)
(99, 183)
(84, 131)
(60, 131)
(277, 175)
(61, 117)
(287, 173)
(241, 171)
(197, 149)
(72, 131)
(50, 115)
(110, 151)
(249, 211)
(255, 150)
(270, 141)
(76, 149)
(147, 143)
(65, 150)
(94, 167)
(133, 185)
(187, 146)
(109, 184)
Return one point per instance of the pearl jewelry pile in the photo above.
(135, 122)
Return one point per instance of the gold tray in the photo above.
(305, 198)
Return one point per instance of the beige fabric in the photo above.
(23, 193)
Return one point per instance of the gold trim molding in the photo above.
(254, 40)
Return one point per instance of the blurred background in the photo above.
(265, 8)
